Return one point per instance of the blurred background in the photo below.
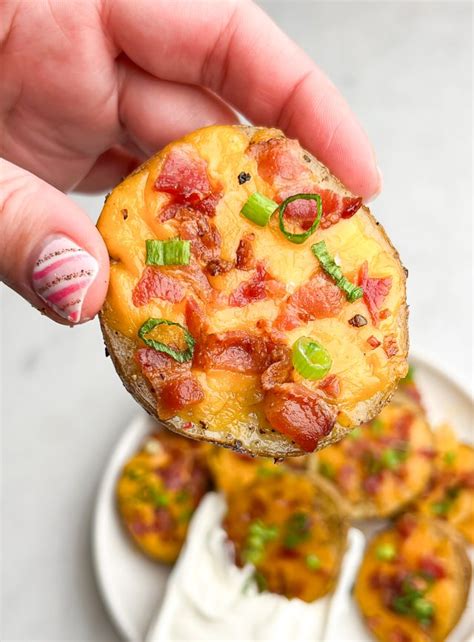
(406, 70)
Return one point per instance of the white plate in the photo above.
(132, 586)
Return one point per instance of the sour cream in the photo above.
(209, 598)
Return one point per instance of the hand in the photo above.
(92, 87)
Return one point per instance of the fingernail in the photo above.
(62, 275)
(377, 193)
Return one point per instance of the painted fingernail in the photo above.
(62, 275)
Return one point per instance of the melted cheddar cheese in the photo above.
(131, 216)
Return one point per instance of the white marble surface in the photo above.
(405, 68)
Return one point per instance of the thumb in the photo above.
(50, 251)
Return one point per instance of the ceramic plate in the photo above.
(132, 586)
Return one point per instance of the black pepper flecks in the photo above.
(124, 214)
(307, 158)
(243, 177)
(358, 321)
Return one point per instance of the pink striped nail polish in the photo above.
(62, 276)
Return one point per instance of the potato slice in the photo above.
(413, 581)
(249, 294)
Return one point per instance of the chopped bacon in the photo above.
(375, 291)
(195, 318)
(281, 164)
(279, 160)
(194, 276)
(371, 484)
(245, 259)
(184, 175)
(402, 426)
(219, 266)
(278, 372)
(203, 234)
(373, 342)
(390, 345)
(331, 386)
(406, 524)
(155, 284)
(432, 567)
(384, 314)
(333, 205)
(299, 413)
(180, 393)
(236, 351)
(208, 205)
(346, 477)
(259, 287)
(318, 299)
(172, 382)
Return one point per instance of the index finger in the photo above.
(234, 49)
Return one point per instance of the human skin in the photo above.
(90, 88)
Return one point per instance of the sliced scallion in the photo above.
(301, 237)
(169, 252)
(310, 359)
(352, 292)
(259, 209)
(178, 355)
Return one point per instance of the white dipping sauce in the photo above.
(209, 598)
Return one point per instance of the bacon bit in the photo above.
(208, 205)
(331, 386)
(154, 284)
(358, 321)
(184, 175)
(334, 206)
(384, 314)
(279, 160)
(172, 382)
(245, 259)
(390, 345)
(373, 342)
(280, 371)
(187, 425)
(402, 426)
(219, 266)
(371, 484)
(195, 318)
(406, 524)
(181, 393)
(432, 567)
(429, 453)
(375, 291)
(236, 351)
(203, 234)
(257, 288)
(299, 413)
(345, 477)
(320, 298)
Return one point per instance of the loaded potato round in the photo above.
(450, 492)
(253, 301)
(291, 529)
(158, 491)
(384, 464)
(413, 582)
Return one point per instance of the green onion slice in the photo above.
(352, 292)
(310, 358)
(259, 209)
(169, 252)
(181, 356)
(301, 237)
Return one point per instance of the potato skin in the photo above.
(414, 538)
(248, 439)
(450, 493)
(303, 556)
(157, 492)
(345, 463)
